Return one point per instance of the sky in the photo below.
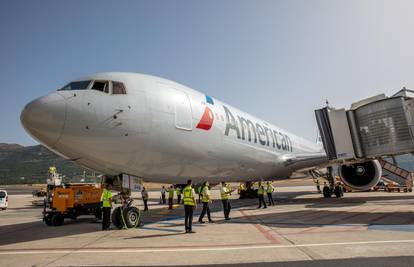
(277, 60)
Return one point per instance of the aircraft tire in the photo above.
(327, 192)
(132, 217)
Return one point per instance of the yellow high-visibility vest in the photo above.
(106, 196)
(188, 196)
(171, 193)
(206, 194)
(260, 191)
(270, 188)
(224, 195)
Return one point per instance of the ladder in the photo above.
(396, 174)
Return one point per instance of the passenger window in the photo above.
(101, 86)
(118, 88)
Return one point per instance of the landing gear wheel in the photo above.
(132, 217)
(327, 192)
(116, 218)
(338, 192)
(57, 219)
(48, 219)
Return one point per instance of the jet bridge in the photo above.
(371, 128)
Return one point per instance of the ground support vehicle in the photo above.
(71, 201)
(4, 199)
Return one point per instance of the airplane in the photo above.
(128, 123)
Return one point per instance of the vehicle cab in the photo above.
(4, 199)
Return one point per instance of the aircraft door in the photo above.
(183, 113)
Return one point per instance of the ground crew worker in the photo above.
(225, 193)
(269, 191)
(242, 190)
(106, 199)
(144, 194)
(260, 194)
(189, 205)
(318, 185)
(206, 199)
(163, 191)
(170, 197)
(178, 192)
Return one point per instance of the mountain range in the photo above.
(29, 164)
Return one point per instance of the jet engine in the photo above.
(361, 176)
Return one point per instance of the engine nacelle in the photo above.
(361, 176)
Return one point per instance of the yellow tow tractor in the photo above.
(69, 200)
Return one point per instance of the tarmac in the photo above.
(361, 229)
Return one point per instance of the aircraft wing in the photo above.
(308, 161)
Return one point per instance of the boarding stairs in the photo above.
(392, 172)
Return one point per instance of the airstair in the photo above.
(391, 172)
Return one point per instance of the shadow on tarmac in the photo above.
(310, 217)
(32, 231)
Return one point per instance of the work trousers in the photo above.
(206, 209)
(178, 199)
(170, 203)
(226, 208)
(145, 204)
(261, 200)
(270, 198)
(163, 198)
(106, 218)
(188, 209)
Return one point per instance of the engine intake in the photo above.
(361, 176)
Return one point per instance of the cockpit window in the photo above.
(79, 85)
(102, 86)
(118, 88)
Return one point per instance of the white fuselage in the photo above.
(164, 132)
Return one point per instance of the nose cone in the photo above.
(44, 118)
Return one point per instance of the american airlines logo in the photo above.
(207, 119)
(253, 132)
